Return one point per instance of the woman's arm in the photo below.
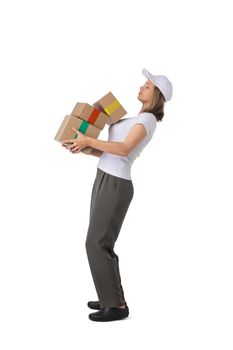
(113, 147)
(134, 137)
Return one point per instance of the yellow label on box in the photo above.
(112, 107)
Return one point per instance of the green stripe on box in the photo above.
(83, 128)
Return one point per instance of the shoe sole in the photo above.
(109, 318)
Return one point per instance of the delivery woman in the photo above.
(113, 191)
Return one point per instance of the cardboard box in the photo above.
(66, 132)
(91, 114)
(111, 106)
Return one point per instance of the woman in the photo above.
(113, 191)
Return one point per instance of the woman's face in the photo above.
(145, 94)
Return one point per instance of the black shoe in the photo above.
(109, 314)
(94, 305)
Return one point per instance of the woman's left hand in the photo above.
(76, 145)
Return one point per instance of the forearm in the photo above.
(113, 147)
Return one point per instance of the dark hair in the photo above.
(157, 105)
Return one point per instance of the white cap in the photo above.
(161, 81)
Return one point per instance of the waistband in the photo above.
(100, 171)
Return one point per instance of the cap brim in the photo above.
(147, 74)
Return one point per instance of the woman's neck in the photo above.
(144, 106)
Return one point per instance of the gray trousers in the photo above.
(110, 199)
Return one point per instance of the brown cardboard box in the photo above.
(91, 114)
(66, 132)
(111, 106)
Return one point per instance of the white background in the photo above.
(175, 246)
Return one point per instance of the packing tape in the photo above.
(94, 115)
(112, 107)
(83, 128)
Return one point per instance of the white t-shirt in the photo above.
(118, 165)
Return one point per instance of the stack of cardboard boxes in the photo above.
(90, 119)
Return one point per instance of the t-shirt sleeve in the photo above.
(148, 120)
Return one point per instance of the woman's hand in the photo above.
(76, 145)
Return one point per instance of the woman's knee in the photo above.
(91, 243)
